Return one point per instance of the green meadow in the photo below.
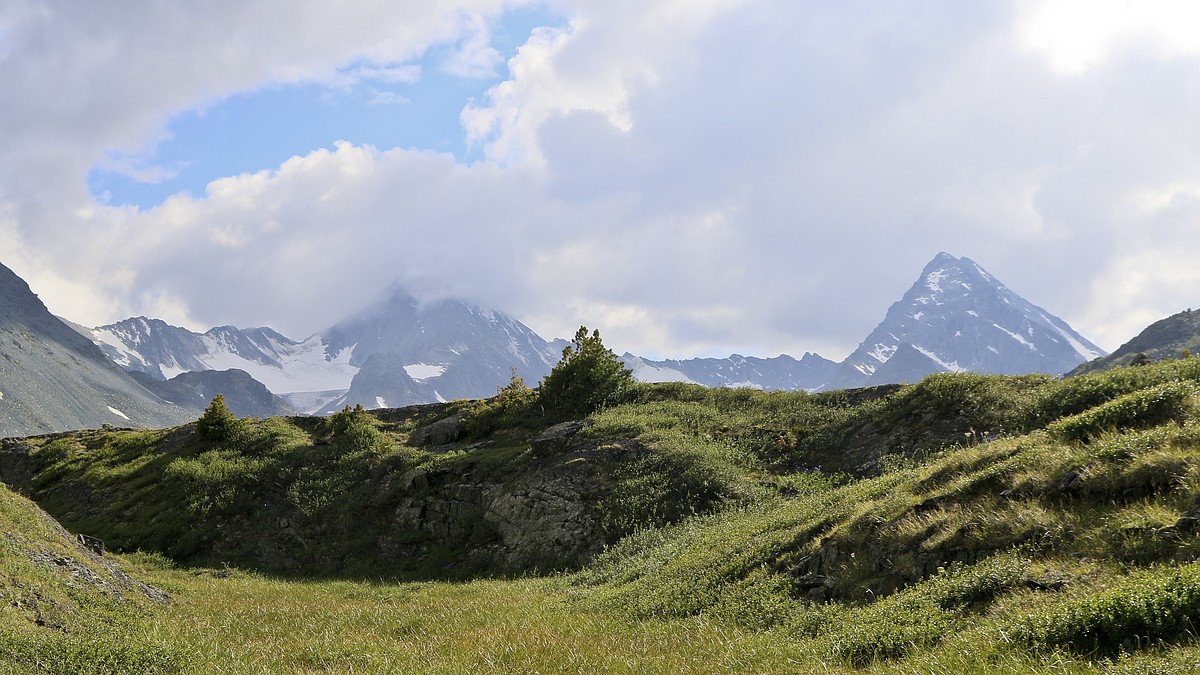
(968, 523)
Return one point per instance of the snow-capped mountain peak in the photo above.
(398, 351)
(163, 351)
(957, 316)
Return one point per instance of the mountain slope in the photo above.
(958, 317)
(53, 379)
(244, 395)
(1164, 339)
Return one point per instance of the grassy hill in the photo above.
(64, 607)
(966, 523)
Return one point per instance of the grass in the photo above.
(965, 524)
(245, 623)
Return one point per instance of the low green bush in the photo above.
(1170, 401)
(1148, 607)
(921, 615)
(514, 406)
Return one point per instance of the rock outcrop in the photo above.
(542, 518)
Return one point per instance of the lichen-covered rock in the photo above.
(538, 519)
(556, 437)
(440, 432)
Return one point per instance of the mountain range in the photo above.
(810, 372)
(396, 352)
(400, 351)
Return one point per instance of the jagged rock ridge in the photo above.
(810, 372)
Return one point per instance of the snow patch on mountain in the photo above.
(1016, 336)
(424, 371)
(645, 371)
(933, 280)
(950, 366)
(1086, 351)
(882, 352)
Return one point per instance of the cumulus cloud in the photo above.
(690, 177)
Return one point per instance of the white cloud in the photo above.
(690, 177)
(474, 55)
(1077, 35)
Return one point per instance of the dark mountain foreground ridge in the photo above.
(194, 390)
(1170, 338)
(967, 523)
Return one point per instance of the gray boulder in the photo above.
(556, 437)
(440, 432)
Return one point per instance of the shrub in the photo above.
(353, 431)
(1144, 408)
(589, 377)
(1148, 607)
(923, 614)
(512, 406)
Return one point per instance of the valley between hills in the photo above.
(960, 522)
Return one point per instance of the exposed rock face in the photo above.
(542, 518)
(440, 432)
(556, 437)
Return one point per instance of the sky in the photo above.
(692, 177)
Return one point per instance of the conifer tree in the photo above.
(588, 377)
(217, 422)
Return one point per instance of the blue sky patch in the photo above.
(257, 130)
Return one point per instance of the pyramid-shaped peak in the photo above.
(958, 316)
(946, 273)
